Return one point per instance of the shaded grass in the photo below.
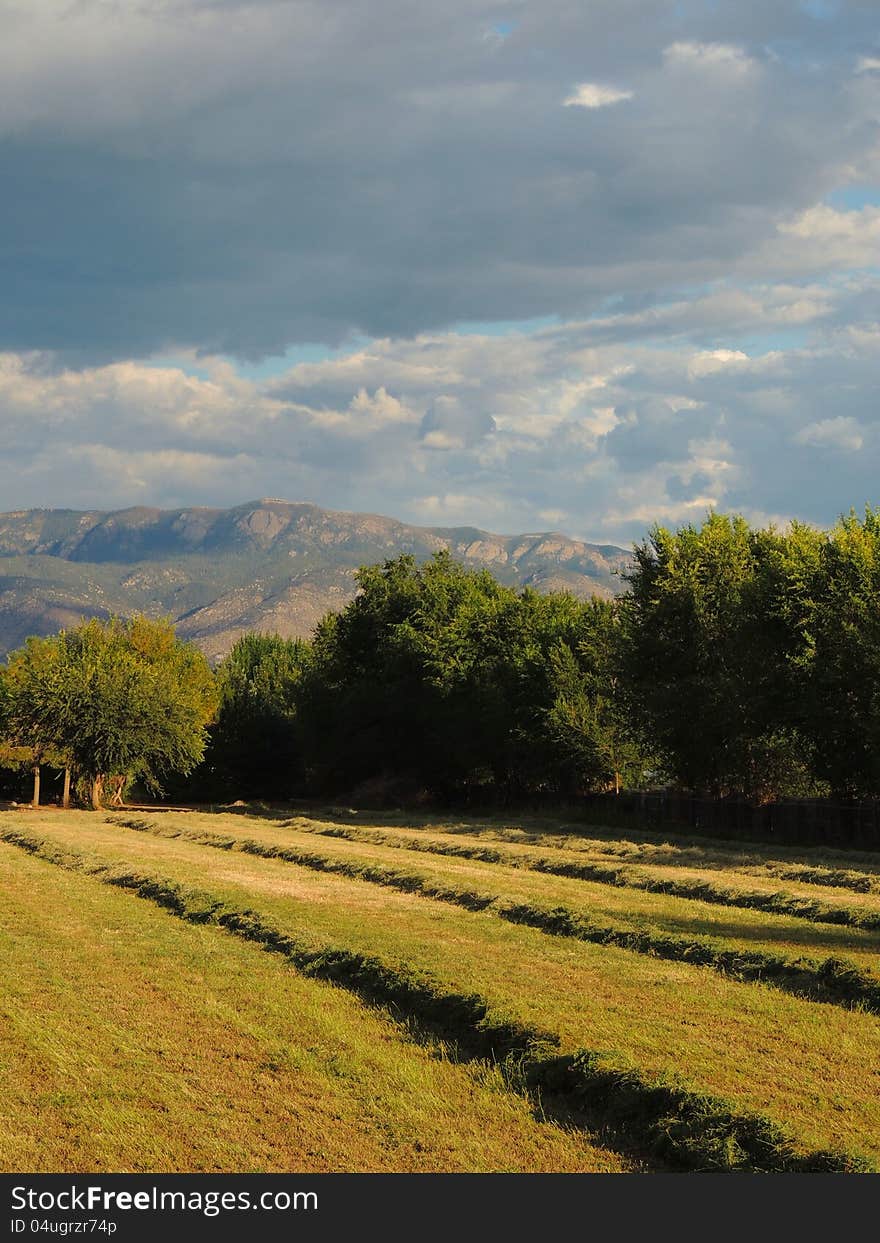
(811, 1068)
(572, 831)
(831, 980)
(663, 847)
(693, 1130)
(129, 1041)
(738, 927)
(698, 887)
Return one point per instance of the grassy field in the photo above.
(436, 998)
(132, 1041)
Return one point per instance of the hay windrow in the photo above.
(690, 1130)
(832, 980)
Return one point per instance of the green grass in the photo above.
(631, 845)
(809, 1068)
(690, 1129)
(663, 869)
(742, 929)
(487, 888)
(131, 1041)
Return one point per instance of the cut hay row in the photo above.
(688, 1129)
(130, 1041)
(737, 928)
(666, 847)
(821, 867)
(831, 980)
(624, 876)
(831, 878)
(810, 1068)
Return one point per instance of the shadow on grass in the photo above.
(531, 827)
(671, 1125)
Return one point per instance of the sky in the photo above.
(525, 265)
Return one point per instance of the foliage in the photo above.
(843, 716)
(120, 699)
(443, 674)
(717, 650)
(381, 691)
(739, 661)
(253, 748)
(588, 721)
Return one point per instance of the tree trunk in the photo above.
(65, 797)
(36, 799)
(118, 784)
(98, 792)
(616, 782)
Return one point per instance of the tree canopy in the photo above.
(444, 675)
(123, 699)
(255, 749)
(737, 661)
(843, 707)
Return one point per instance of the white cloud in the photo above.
(245, 176)
(459, 508)
(723, 59)
(594, 95)
(365, 414)
(709, 361)
(597, 428)
(827, 226)
(821, 239)
(841, 433)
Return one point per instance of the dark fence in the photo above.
(812, 822)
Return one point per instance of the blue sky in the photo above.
(519, 265)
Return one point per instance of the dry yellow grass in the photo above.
(753, 870)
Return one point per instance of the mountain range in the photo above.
(267, 565)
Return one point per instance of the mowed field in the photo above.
(344, 991)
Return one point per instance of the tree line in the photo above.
(735, 661)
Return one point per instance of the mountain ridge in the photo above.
(263, 565)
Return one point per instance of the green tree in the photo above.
(441, 674)
(32, 749)
(844, 673)
(503, 684)
(123, 699)
(588, 720)
(255, 748)
(375, 698)
(717, 650)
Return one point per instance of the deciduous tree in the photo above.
(123, 699)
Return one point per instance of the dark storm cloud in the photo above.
(678, 193)
(237, 177)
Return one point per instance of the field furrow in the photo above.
(855, 871)
(740, 927)
(753, 888)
